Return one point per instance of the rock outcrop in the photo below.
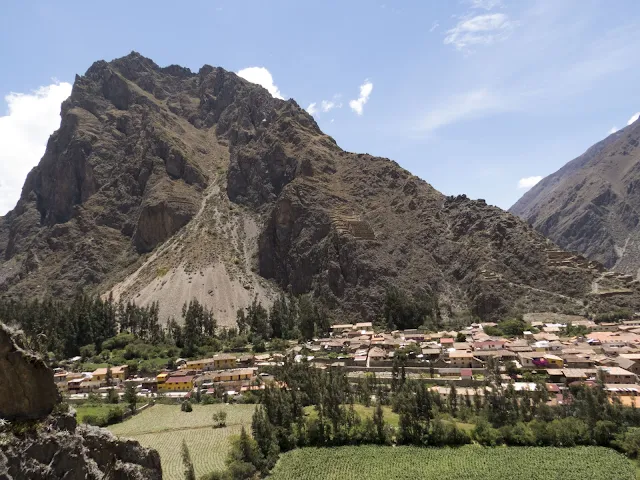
(238, 194)
(38, 444)
(27, 390)
(76, 453)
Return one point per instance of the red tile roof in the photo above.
(180, 379)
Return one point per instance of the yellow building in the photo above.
(236, 375)
(554, 361)
(118, 374)
(161, 378)
(217, 362)
(61, 381)
(177, 383)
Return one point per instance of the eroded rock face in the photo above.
(82, 453)
(27, 390)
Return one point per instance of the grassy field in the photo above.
(97, 410)
(468, 463)
(389, 416)
(163, 427)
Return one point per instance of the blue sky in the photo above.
(470, 95)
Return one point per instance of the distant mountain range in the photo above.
(592, 204)
(164, 184)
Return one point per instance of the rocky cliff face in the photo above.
(37, 444)
(592, 204)
(163, 184)
(27, 389)
(62, 450)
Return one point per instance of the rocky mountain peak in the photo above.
(164, 184)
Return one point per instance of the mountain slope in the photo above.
(592, 204)
(164, 184)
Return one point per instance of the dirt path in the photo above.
(595, 285)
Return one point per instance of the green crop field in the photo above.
(163, 427)
(464, 463)
(92, 410)
(95, 410)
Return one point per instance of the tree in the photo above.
(461, 337)
(378, 421)
(245, 458)
(131, 397)
(513, 328)
(629, 442)
(306, 315)
(511, 368)
(453, 399)
(189, 471)
(402, 311)
(109, 376)
(265, 436)
(186, 406)
(112, 396)
(219, 419)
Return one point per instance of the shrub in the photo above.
(95, 420)
(485, 434)
(186, 406)
(119, 341)
(112, 396)
(209, 399)
(115, 415)
(629, 442)
(219, 419)
(519, 434)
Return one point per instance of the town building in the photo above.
(177, 383)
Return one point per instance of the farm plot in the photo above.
(164, 427)
(469, 463)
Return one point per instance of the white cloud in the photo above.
(434, 26)
(24, 130)
(503, 80)
(312, 109)
(328, 105)
(262, 77)
(613, 130)
(528, 182)
(464, 106)
(325, 105)
(365, 92)
(479, 30)
(633, 118)
(486, 4)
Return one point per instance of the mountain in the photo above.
(164, 184)
(592, 204)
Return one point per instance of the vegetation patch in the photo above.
(99, 414)
(469, 463)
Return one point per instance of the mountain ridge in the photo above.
(590, 205)
(164, 184)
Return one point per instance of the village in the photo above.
(609, 351)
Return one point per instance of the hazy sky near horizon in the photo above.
(482, 97)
